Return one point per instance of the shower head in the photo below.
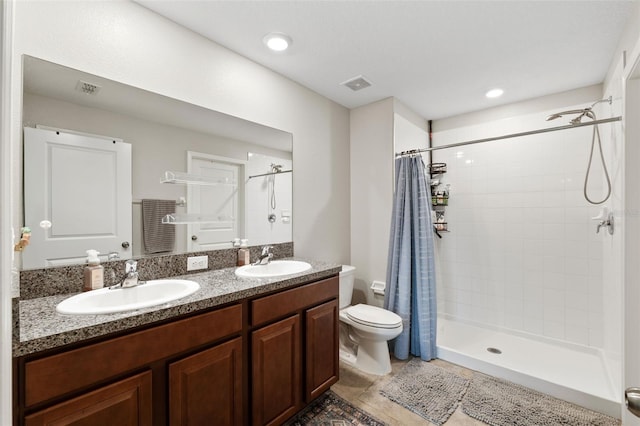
(576, 120)
(588, 112)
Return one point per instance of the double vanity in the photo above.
(252, 349)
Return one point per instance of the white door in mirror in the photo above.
(275, 268)
(107, 301)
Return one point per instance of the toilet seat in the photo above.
(373, 316)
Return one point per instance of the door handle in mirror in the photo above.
(125, 244)
(194, 238)
(632, 400)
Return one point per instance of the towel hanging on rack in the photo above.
(158, 238)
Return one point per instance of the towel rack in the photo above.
(182, 202)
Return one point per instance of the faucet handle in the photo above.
(130, 266)
(266, 250)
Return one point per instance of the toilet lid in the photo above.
(373, 316)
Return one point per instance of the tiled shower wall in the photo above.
(523, 252)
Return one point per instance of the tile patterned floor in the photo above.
(362, 390)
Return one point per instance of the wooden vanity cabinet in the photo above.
(257, 362)
(126, 379)
(294, 349)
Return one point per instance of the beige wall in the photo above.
(125, 42)
(374, 128)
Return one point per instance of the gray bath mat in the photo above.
(426, 389)
(501, 403)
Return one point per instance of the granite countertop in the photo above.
(41, 327)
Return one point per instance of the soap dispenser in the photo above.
(243, 253)
(93, 272)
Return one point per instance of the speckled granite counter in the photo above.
(42, 328)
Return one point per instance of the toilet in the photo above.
(365, 330)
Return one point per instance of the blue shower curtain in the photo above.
(411, 284)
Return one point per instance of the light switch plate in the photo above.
(195, 263)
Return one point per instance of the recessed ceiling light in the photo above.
(494, 93)
(277, 41)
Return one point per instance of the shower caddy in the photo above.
(439, 199)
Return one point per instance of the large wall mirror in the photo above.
(106, 163)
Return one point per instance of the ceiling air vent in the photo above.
(88, 88)
(356, 83)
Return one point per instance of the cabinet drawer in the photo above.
(280, 304)
(127, 402)
(76, 369)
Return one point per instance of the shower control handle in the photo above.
(632, 400)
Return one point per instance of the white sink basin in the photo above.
(106, 301)
(275, 268)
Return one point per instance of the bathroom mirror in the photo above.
(250, 164)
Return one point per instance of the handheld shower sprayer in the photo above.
(588, 112)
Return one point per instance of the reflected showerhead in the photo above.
(553, 117)
(276, 168)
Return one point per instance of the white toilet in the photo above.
(365, 330)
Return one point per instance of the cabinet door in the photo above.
(206, 388)
(124, 403)
(276, 371)
(321, 349)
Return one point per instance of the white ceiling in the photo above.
(437, 57)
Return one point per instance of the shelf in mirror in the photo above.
(190, 179)
(195, 218)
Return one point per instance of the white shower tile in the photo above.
(555, 249)
(514, 321)
(552, 231)
(533, 231)
(576, 249)
(573, 181)
(577, 300)
(553, 302)
(533, 262)
(576, 266)
(554, 280)
(514, 292)
(533, 247)
(596, 338)
(595, 269)
(577, 215)
(553, 264)
(553, 198)
(577, 284)
(576, 232)
(553, 182)
(533, 325)
(577, 334)
(553, 214)
(554, 329)
(577, 317)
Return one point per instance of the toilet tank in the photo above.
(347, 278)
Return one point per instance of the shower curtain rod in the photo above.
(512, 135)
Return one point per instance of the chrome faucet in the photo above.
(131, 275)
(265, 257)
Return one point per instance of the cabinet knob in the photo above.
(194, 238)
(125, 244)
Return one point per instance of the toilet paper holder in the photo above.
(378, 287)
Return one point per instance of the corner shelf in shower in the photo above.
(437, 168)
(439, 200)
